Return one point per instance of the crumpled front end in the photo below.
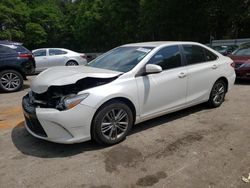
(53, 110)
(70, 126)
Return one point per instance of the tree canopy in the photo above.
(99, 25)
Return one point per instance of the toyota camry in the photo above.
(125, 86)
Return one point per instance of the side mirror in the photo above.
(152, 68)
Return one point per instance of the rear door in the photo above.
(202, 69)
(57, 57)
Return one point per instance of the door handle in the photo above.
(182, 75)
(214, 66)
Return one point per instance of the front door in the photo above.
(165, 91)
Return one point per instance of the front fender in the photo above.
(118, 89)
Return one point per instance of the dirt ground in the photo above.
(196, 147)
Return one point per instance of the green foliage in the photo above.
(50, 17)
(89, 24)
(103, 24)
(35, 35)
(13, 16)
(98, 25)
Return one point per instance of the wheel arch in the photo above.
(122, 99)
(3, 68)
(128, 102)
(224, 79)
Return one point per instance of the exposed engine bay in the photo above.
(55, 95)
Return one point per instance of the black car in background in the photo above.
(15, 63)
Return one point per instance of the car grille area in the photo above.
(31, 118)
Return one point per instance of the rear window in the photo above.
(22, 49)
(210, 56)
(6, 48)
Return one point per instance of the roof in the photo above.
(51, 48)
(157, 43)
(7, 42)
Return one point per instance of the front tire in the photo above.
(112, 123)
(10, 81)
(217, 94)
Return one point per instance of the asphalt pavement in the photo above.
(195, 147)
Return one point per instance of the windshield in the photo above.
(242, 51)
(121, 59)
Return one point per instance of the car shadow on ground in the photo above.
(168, 118)
(242, 82)
(32, 146)
(25, 86)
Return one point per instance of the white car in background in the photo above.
(50, 57)
(125, 86)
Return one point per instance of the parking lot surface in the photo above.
(196, 147)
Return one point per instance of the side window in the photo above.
(194, 54)
(63, 52)
(210, 56)
(167, 58)
(56, 52)
(39, 53)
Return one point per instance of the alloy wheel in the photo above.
(114, 124)
(71, 63)
(10, 81)
(218, 93)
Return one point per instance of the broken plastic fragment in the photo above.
(246, 180)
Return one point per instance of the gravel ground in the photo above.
(196, 147)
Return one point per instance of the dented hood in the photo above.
(58, 76)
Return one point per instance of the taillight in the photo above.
(26, 56)
(83, 56)
(233, 65)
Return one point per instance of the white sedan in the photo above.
(125, 86)
(50, 57)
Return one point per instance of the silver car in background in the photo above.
(50, 57)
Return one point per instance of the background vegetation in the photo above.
(99, 25)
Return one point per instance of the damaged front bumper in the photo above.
(68, 126)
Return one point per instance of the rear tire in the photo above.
(71, 63)
(112, 123)
(10, 81)
(217, 94)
